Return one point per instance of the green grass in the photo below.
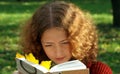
(13, 14)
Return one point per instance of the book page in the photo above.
(41, 68)
(70, 65)
(27, 67)
(83, 71)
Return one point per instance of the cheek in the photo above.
(68, 52)
(48, 52)
(68, 48)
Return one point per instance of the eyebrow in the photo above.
(47, 42)
(64, 40)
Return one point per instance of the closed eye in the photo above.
(48, 45)
(65, 42)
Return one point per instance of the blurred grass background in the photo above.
(13, 14)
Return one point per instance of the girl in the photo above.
(60, 31)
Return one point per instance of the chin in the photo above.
(58, 62)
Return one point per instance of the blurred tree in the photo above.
(116, 12)
(22, 0)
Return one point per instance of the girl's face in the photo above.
(56, 45)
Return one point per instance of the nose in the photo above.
(59, 51)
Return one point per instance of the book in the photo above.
(70, 67)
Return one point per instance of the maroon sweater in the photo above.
(99, 68)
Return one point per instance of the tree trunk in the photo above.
(116, 12)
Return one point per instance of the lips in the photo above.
(60, 59)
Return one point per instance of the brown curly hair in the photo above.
(80, 29)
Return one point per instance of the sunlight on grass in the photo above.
(10, 28)
(9, 43)
(14, 18)
(111, 47)
(102, 18)
(22, 3)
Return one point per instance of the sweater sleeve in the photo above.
(100, 68)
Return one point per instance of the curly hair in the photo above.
(80, 29)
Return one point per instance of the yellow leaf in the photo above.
(31, 58)
(18, 55)
(46, 64)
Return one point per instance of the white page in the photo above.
(41, 68)
(70, 65)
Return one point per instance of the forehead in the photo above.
(55, 34)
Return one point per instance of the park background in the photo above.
(14, 13)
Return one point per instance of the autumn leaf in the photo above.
(31, 58)
(46, 64)
(18, 55)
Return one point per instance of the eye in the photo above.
(66, 42)
(48, 45)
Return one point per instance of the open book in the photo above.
(70, 67)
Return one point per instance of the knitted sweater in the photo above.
(99, 68)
